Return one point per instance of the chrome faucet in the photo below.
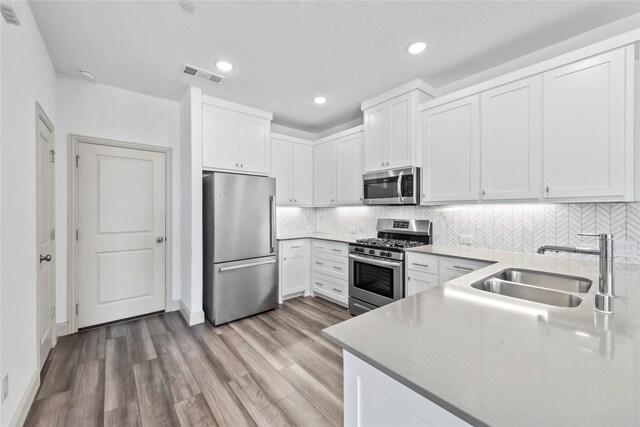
(604, 296)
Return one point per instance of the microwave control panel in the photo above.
(407, 186)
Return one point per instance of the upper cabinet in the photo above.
(451, 151)
(292, 167)
(338, 168)
(390, 127)
(588, 128)
(511, 141)
(235, 137)
(325, 174)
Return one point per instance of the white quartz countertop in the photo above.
(344, 238)
(491, 359)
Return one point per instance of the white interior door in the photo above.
(45, 235)
(121, 233)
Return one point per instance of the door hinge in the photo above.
(77, 305)
(77, 160)
(53, 156)
(53, 234)
(77, 235)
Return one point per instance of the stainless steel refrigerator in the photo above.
(239, 227)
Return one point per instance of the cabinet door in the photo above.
(219, 138)
(253, 144)
(374, 138)
(281, 170)
(399, 144)
(418, 282)
(451, 151)
(324, 174)
(295, 273)
(302, 175)
(512, 141)
(350, 169)
(584, 128)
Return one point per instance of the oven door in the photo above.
(374, 280)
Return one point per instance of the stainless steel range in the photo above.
(376, 265)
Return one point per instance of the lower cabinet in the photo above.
(374, 399)
(294, 268)
(425, 271)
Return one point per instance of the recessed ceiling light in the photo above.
(187, 5)
(224, 66)
(416, 48)
(86, 74)
(319, 99)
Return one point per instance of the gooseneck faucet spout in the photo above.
(604, 296)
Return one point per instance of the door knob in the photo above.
(160, 239)
(45, 258)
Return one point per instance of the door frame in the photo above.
(72, 293)
(41, 115)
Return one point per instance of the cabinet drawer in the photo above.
(331, 248)
(422, 263)
(289, 246)
(452, 268)
(333, 288)
(331, 265)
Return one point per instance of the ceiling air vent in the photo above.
(201, 74)
(9, 13)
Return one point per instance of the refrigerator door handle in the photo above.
(272, 228)
(251, 264)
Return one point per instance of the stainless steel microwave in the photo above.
(392, 187)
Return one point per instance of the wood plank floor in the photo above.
(272, 369)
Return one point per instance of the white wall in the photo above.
(93, 109)
(27, 77)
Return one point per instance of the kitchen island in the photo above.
(483, 358)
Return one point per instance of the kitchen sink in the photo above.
(529, 293)
(556, 282)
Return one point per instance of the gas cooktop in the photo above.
(389, 243)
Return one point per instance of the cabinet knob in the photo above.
(382, 163)
(408, 277)
(291, 200)
(387, 163)
(360, 198)
(547, 190)
(332, 200)
(284, 259)
(483, 193)
(241, 165)
(295, 200)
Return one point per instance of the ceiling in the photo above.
(286, 53)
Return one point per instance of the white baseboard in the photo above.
(173, 305)
(28, 397)
(63, 329)
(191, 318)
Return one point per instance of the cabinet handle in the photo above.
(319, 263)
(387, 163)
(382, 164)
(483, 193)
(547, 190)
(408, 278)
(241, 165)
(236, 165)
(337, 268)
(420, 265)
(319, 284)
(295, 200)
(457, 267)
(293, 247)
(291, 200)
(285, 258)
(360, 198)
(337, 290)
(337, 250)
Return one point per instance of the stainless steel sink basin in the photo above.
(529, 293)
(555, 282)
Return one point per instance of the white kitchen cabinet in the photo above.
(302, 177)
(233, 140)
(325, 174)
(390, 129)
(330, 270)
(294, 268)
(350, 151)
(511, 163)
(418, 282)
(450, 151)
(587, 128)
(374, 399)
(292, 167)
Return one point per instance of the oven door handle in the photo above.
(400, 187)
(375, 261)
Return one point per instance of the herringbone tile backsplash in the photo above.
(520, 228)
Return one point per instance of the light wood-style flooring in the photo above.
(270, 369)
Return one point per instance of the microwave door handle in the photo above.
(400, 187)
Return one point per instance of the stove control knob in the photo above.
(371, 251)
(387, 254)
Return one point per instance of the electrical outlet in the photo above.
(5, 387)
(466, 240)
(625, 248)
